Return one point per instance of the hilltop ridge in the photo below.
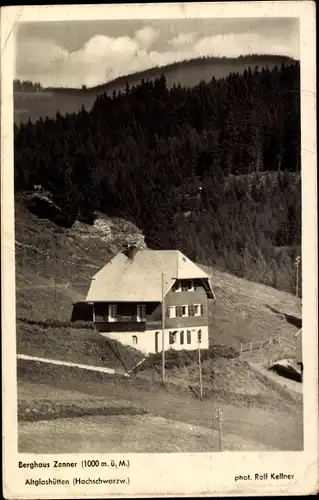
(32, 104)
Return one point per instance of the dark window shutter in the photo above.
(202, 310)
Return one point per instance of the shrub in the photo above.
(179, 359)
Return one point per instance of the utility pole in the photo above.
(297, 262)
(200, 372)
(220, 432)
(163, 332)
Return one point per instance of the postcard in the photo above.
(159, 250)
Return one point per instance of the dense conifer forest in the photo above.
(213, 170)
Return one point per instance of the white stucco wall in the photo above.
(146, 340)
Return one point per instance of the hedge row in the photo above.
(56, 323)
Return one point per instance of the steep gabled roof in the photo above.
(139, 279)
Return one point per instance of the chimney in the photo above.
(130, 251)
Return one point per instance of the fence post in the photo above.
(220, 431)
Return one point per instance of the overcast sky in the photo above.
(93, 52)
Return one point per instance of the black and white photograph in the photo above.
(158, 248)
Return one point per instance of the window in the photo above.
(141, 312)
(134, 338)
(189, 337)
(188, 286)
(195, 310)
(181, 334)
(177, 286)
(172, 337)
(171, 312)
(199, 336)
(182, 311)
(112, 313)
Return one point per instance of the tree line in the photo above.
(26, 86)
(144, 152)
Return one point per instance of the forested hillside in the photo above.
(143, 153)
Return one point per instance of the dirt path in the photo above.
(101, 369)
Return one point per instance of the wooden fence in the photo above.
(259, 344)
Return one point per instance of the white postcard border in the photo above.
(165, 474)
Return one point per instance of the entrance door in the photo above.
(156, 341)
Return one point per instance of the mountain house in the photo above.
(128, 295)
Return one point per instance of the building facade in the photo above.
(152, 283)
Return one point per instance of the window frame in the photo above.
(140, 318)
(170, 310)
(186, 309)
(199, 310)
(177, 287)
(112, 318)
(172, 337)
(134, 340)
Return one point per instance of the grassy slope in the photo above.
(245, 419)
(75, 345)
(33, 105)
(244, 311)
(44, 253)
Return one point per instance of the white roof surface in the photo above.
(140, 279)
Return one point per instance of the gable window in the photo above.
(189, 337)
(181, 337)
(141, 312)
(172, 337)
(112, 313)
(177, 286)
(188, 286)
(134, 339)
